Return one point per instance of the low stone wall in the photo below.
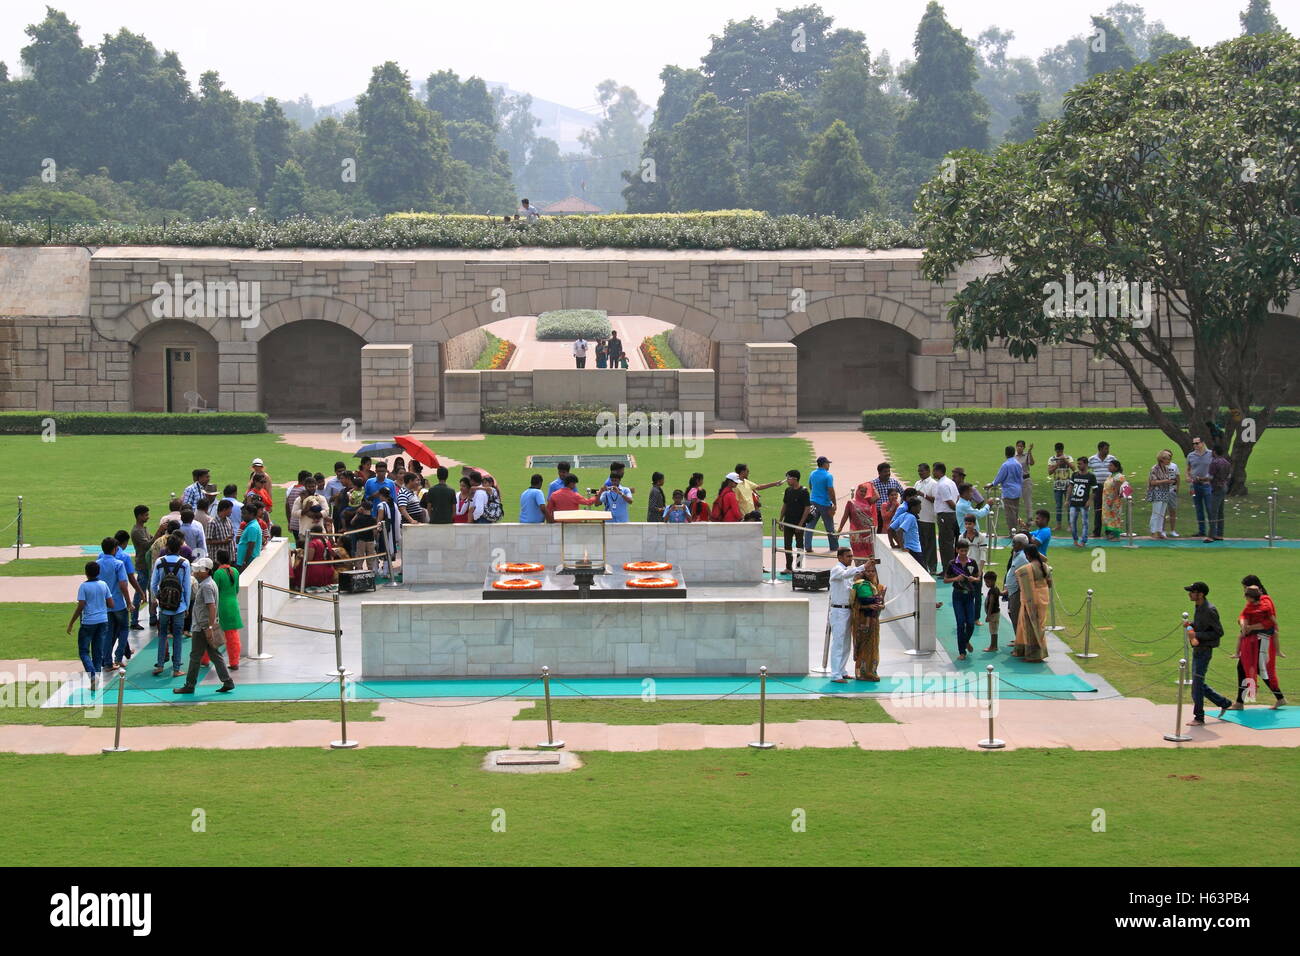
(897, 571)
(706, 552)
(271, 566)
(463, 350)
(694, 350)
(425, 639)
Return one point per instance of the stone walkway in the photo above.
(534, 354)
(1104, 725)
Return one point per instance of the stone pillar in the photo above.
(771, 386)
(428, 372)
(731, 380)
(237, 376)
(387, 388)
(462, 402)
(695, 393)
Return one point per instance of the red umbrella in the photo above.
(418, 450)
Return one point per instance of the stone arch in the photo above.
(613, 301)
(310, 369)
(847, 365)
(136, 319)
(879, 308)
(168, 359)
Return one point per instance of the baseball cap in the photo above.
(202, 564)
(1198, 586)
(258, 461)
(823, 460)
(732, 476)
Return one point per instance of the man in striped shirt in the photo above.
(1099, 465)
(884, 483)
(221, 531)
(195, 492)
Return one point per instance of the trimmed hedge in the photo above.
(571, 323)
(666, 231)
(573, 420)
(134, 423)
(997, 419)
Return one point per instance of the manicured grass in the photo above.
(1139, 596)
(36, 567)
(395, 806)
(21, 704)
(146, 469)
(38, 630)
(666, 711)
(1274, 462)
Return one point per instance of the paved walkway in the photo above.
(533, 354)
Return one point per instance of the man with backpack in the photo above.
(170, 586)
(207, 638)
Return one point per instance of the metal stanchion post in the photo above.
(915, 649)
(343, 744)
(117, 747)
(991, 742)
(1272, 517)
(762, 743)
(338, 642)
(18, 540)
(550, 743)
(1187, 648)
(261, 654)
(1087, 626)
(1051, 610)
(1130, 538)
(826, 643)
(1178, 736)
(775, 525)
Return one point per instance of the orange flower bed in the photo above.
(505, 349)
(647, 566)
(519, 567)
(652, 583)
(517, 584)
(652, 355)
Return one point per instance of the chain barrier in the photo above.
(692, 705)
(469, 703)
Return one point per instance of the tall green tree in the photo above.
(647, 181)
(1108, 49)
(221, 138)
(706, 174)
(404, 152)
(614, 144)
(330, 144)
(1003, 79)
(1024, 125)
(1162, 44)
(945, 113)
(273, 140)
(517, 130)
(851, 91)
(834, 180)
(10, 170)
(288, 193)
(56, 93)
(141, 111)
(778, 145)
(1258, 18)
(1201, 202)
(548, 175)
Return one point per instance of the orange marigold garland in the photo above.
(652, 583)
(519, 567)
(517, 584)
(647, 566)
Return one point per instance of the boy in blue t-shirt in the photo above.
(677, 512)
(94, 601)
(1042, 531)
(615, 500)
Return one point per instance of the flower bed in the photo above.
(496, 355)
(658, 353)
(573, 323)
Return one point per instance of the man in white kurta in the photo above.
(842, 576)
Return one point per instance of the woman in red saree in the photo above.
(860, 513)
(1257, 648)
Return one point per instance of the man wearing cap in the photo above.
(821, 492)
(206, 636)
(259, 469)
(1204, 633)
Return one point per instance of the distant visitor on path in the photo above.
(580, 352)
(1204, 633)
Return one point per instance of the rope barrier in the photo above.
(469, 703)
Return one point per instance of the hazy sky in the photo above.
(557, 51)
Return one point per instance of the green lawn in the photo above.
(1275, 461)
(1139, 597)
(146, 469)
(21, 704)
(35, 567)
(668, 711)
(395, 806)
(38, 630)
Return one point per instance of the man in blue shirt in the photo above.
(561, 472)
(195, 492)
(615, 500)
(1042, 531)
(112, 571)
(171, 622)
(532, 503)
(905, 530)
(381, 480)
(1010, 478)
(821, 494)
(94, 600)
